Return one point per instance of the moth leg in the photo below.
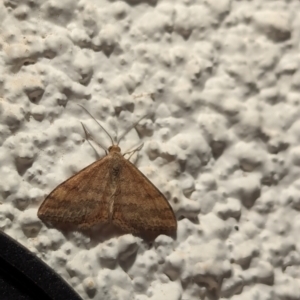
(89, 137)
(112, 142)
(133, 151)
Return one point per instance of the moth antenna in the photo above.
(112, 142)
(89, 137)
(133, 151)
(129, 128)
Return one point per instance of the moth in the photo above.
(110, 191)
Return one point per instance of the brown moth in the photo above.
(110, 191)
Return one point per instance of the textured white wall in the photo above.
(219, 81)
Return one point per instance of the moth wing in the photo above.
(82, 200)
(139, 207)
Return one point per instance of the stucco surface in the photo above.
(218, 82)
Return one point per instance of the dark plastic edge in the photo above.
(31, 273)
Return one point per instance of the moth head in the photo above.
(114, 148)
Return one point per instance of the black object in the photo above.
(23, 276)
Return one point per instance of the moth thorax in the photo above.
(114, 148)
